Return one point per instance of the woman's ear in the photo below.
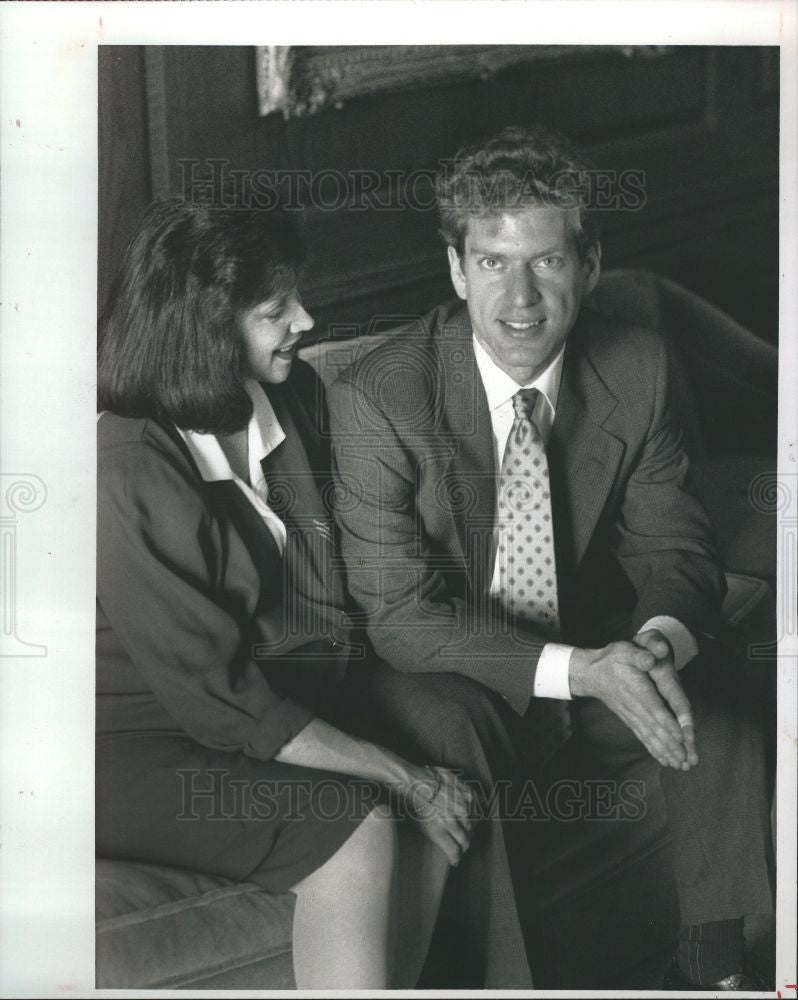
(456, 272)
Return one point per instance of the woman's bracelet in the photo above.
(425, 807)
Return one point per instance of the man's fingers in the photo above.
(653, 706)
(672, 691)
(655, 747)
(643, 659)
(645, 693)
(668, 752)
(668, 726)
(689, 742)
(653, 641)
(658, 741)
(662, 731)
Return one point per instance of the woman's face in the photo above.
(271, 332)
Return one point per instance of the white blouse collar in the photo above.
(264, 434)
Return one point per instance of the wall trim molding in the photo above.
(155, 89)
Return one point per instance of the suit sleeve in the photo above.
(414, 621)
(160, 557)
(666, 542)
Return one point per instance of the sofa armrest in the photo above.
(733, 489)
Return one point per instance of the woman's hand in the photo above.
(440, 803)
(433, 798)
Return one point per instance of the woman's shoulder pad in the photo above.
(140, 451)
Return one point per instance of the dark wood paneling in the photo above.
(123, 156)
(699, 124)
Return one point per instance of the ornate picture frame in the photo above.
(303, 80)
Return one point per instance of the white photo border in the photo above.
(48, 241)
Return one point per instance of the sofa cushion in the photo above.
(164, 927)
(330, 357)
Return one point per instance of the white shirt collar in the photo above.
(500, 387)
(264, 434)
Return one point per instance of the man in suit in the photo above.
(519, 512)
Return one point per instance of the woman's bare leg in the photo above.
(422, 872)
(342, 918)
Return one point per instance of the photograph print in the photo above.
(437, 517)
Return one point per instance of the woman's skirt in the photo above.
(167, 800)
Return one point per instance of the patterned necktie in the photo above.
(527, 571)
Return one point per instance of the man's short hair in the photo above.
(516, 168)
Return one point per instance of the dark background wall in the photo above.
(701, 124)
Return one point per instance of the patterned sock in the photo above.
(709, 952)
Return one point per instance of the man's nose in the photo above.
(523, 290)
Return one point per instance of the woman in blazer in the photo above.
(221, 629)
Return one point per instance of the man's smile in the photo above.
(522, 326)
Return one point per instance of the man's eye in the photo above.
(490, 263)
(550, 262)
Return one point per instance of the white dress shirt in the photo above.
(551, 678)
(264, 434)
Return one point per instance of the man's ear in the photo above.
(456, 271)
(592, 267)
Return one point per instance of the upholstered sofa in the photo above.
(594, 884)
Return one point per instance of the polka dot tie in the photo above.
(525, 554)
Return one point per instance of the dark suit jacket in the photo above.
(413, 450)
(202, 628)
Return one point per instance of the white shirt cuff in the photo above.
(551, 676)
(681, 639)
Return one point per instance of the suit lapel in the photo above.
(583, 454)
(470, 477)
(258, 539)
(297, 477)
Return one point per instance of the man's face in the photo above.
(523, 280)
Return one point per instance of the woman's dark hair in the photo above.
(515, 168)
(169, 343)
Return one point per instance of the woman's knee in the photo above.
(367, 859)
(378, 840)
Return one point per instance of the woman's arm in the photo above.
(178, 589)
(156, 585)
(434, 797)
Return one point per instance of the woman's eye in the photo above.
(273, 312)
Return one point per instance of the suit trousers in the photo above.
(718, 811)
(450, 720)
